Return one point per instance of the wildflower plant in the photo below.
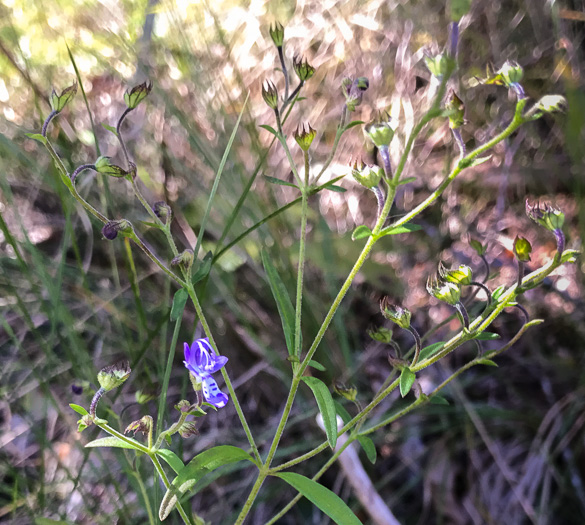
(187, 267)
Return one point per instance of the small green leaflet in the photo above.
(408, 180)
(198, 467)
(487, 336)
(274, 180)
(317, 365)
(326, 407)
(111, 442)
(439, 400)
(431, 350)
(487, 362)
(179, 302)
(395, 230)
(361, 232)
(79, 409)
(407, 378)
(171, 459)
(203, 269)
(369, 447)
(353, 124)
(283, 302)
(333, 187)
(326, 500)
(37, 136)
(110, 128)
(270, 129)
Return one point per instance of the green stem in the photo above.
(113, 432)
(338, 134)
(282, 139)
(167, 484)
(173, 429)
(145, 497)
(155, 259)
(205, 325)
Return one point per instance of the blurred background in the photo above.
(509, 447)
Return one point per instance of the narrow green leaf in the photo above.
(283, 302)
(217, 179)
(479, 160)
(333, 187)
(407, 378)
(152, 224)
(110, 441)
(204, 268)
(270, 129)
(79, 409)
(342, 412)
(396, 230)
(171, 459)
(439, 400)
(369, 448)
(408, 180)
(327, 501)
(198, 467)
(361, 232)
(431, 350)
(37, 136)
(110, 128)
(487, 362)
(353, 124)
(498, 292)
(487, 336)
(326, 407)
(274, 180)
(179, 302)
(317, 365)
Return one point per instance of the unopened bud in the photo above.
(113, 376)
(367, 176)
(552, 104)
(137, 94)
(185, 259)
(84, 422)
(111, 229)
(302, 68)
(58, 102)
(381, 131)
(144, 396)
(510, 73)
(305, 137)
(277, 34)
(440, 65)
(381, 334)
(163, 211)
(456, 110)
(550, 218)
(397, 314)
(448, 292)
(104, 166)
(353, 91)
(522, 249)
(143, 425)
(270, 94)
(462, 276)
(348, 392)
(188, 429)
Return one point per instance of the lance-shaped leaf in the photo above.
(171, 459)
(326, 407)
(179, 302)
(111, 441)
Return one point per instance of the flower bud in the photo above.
(113, 376)
(348, 392)
(104, 166)
(448, 292)
(163, 211)
(186, 407)
(462, 276)
(367, 176)
(84, 422)
(58, 102)
(522, 249)
(277, 34)
(302, 68)
(353, 91)
(188, 429)
(439, 65)
(144, 425)
(552, 104)
(144, 396)
(137, 94)
(397, 314)
(111, 229)
(380, 334)
(305, 137)
(510, 73)
(456, 110)
(185, 259)
(550, 218)
(381, 131)
(270, 94)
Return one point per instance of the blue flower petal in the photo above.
(187, 352)
(213, 394)
(217, 362)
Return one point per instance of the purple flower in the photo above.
(202, 361)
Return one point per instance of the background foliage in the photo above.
(510, 446)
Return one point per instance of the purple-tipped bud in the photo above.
(302, 68)
(522, 249)
(188, 429)
(397, 314)
(111, 229)
(304, 135)
(163, 211)
(270, 94)
(348, 392)
(448, 292)
(550, 218)
(58, 102)
(353, 91)
(137, 94)
(143, 425)
(185, 259)
(113, 376)
(277, 34)
(462, 276)
(367, 176)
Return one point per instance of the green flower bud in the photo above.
(381, 131)
(302, 68)
(137, 94)
(367, 176)
(185, 259)
(144, 396)
(143, 425)
(448, 292)
(522, 249)
(58, 102)
(277, 34)
(163, 211)
(381, 334)
(270, 94)
(440, 65)
(111, 229)
(510, 73)
(113, 376)
(305, 137)
(456, 110)
(397, 314)
(550, 218)
(462, 276)
(84, 422)
(552, 104)
(348, 392)
(104, 166)
(187, 407)
(188, 429)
